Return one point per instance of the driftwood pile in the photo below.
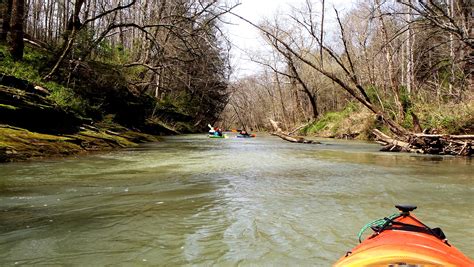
(288, 137)
(437, 144)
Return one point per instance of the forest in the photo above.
(130, 137)
(396, 71)
(402, 67)
(107, 66)
(168, 55)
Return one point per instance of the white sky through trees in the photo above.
(245, 37)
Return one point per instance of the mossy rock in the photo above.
(17, 144)
(17, 83)
(20, 144)
(158, 127)
(34, 112)
(137, 137)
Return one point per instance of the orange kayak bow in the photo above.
(403, 240)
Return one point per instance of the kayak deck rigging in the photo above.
(403, 240)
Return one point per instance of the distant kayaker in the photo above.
(212, 131)
(244, 133)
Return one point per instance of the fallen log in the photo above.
(391, 144)
(454, 137)
(297, 139)
(287, 137)
(275, 126)
(436, 144)
(299, 127)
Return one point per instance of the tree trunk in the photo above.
(36, 21)
(388, 49)
(6, 20)
(16, 43)
(311, 96)
(282, 102)
(322, 33)
(409, 53)
(73, 26)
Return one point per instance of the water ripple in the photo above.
(200, 202)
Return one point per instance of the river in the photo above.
(194, 201)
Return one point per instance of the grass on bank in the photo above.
(352, 122)
(32, 68)
(357, 122)
(447, 118)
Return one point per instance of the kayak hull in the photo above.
(394, 247)
(246, 136)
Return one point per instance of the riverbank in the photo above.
(33, 126)
(18, 144)
(95, 109)
(356, 122)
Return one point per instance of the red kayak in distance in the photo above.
(403, 240)
(246, 135)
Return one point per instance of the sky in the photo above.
(245, 37)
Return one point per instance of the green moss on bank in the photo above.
(17, 144)
(10, 107)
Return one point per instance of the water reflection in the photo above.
(194, 201)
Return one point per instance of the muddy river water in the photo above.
(194, 201)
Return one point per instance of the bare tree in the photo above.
(16, 43)
(389, 50)
(354, 88)
(294, 74)
(75, 25)
(6, 10)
